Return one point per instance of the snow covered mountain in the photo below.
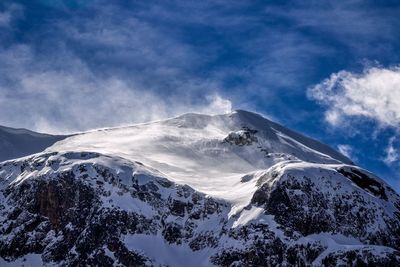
(195, 190)
(15, 143)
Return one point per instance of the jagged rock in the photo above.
(243, 137)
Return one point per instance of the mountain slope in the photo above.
(209, 153)
(15, 143)
(196, 190)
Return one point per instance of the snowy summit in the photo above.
(209, 153)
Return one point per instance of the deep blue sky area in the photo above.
(329, 69)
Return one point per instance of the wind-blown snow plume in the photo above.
(346, 150)
(74, 98)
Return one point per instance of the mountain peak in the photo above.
(247, 113)
(214, 190)
(267, 131)
(202, 150)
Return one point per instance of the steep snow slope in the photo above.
(89, 209)
(209, 153)
(15, 143)
(196, 190)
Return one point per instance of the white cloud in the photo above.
(374, 94)
(392, 153)
(346, 150)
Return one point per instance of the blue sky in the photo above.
(327, 69)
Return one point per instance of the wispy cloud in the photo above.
(11, 13)
(74, 98)
(107, 70)
(355, 24)
(139, 65)
(392, 153)
(178, 54)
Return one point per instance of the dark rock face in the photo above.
(62, 216)
(244, 137)
(299, 203)
(265, 249)
(361, 258)
(364, 181)
(76, 209)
